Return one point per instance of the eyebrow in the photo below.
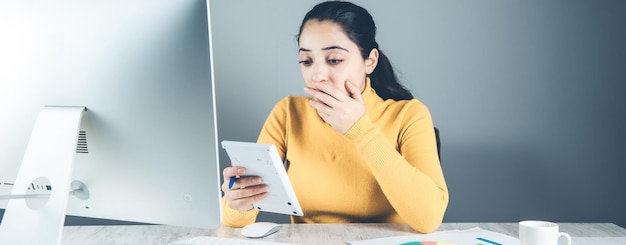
(325, 49)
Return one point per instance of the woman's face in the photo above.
(328, 55)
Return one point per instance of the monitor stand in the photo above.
(46, 168)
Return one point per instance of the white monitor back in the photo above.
(143, 69)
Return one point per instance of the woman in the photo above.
(360, 148)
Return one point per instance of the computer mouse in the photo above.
(259, 229)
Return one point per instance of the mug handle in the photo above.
(569, 238)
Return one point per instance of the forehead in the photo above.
(320, 34)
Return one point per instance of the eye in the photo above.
(305, 62)
(334, 61)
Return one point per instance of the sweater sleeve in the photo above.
(411, 176)
(236, 218)
(276, 126)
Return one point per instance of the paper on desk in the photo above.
(472, 236)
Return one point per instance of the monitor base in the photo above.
(46, 167)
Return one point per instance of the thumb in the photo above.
(353, 91)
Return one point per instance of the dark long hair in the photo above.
(359, 26)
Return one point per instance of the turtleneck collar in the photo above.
(370, 98)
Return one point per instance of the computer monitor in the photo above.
(143, 70)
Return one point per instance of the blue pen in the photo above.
(232, 182)
(488, 241)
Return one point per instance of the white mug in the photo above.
(535, 232)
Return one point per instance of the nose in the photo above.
(319, 72)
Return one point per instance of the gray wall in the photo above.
(528, 95)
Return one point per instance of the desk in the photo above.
(301, 233)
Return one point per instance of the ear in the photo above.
(371, 61)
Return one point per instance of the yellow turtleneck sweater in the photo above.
(384, 169)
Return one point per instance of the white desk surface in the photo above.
(300, 233)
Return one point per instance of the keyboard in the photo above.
(205, 240)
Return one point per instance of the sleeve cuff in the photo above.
(236, 218)
(360, 128)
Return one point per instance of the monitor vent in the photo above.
(81, 144)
